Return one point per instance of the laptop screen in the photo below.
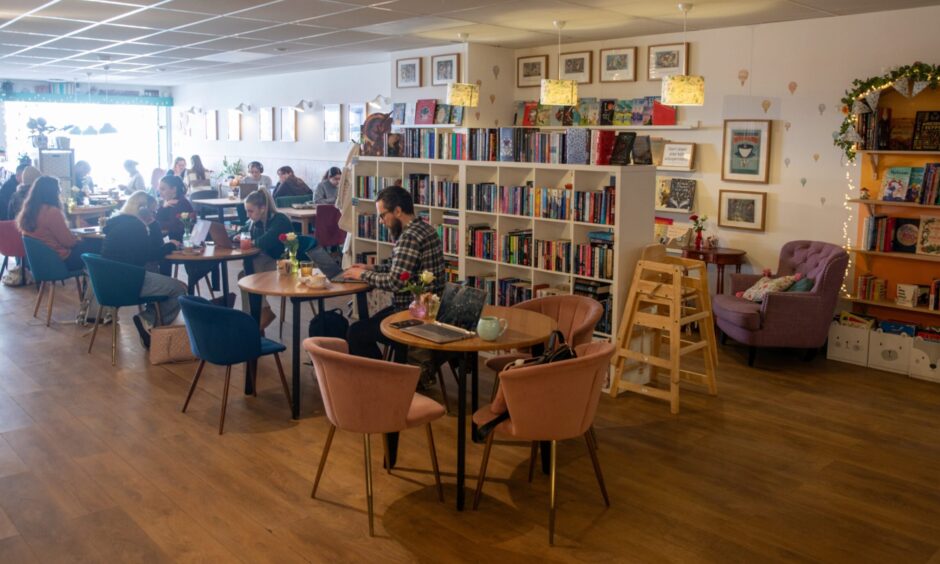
(461, 306)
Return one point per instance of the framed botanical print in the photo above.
(355, 117)
(445, 69)
(742, 210)
(332, 123)
(617, 64)
(531, 70)
(234, 125)
(266, 124)
(408, 73)
(668, 60)
(577, 66)
(288, 124)
(745, 151)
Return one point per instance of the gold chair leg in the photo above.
(592, 449)
(94, 333)
(486, 458)
(551, 493)
(532, 457)
(326, 451)
(228, 377)
(437, 470)
(114, 336)
(192, 387)
(368, 455)
(280, 372)
(51, 302)
(42, 290)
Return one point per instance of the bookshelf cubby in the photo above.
(497, 268)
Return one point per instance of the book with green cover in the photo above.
(589, 110)
(895, 184)
(543, 115)
(916, 185)
(623, 112)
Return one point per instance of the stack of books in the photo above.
(596, 257)
(595, 207)
(553, 255)
(366, 228)
(516, 247)
(482, 197)
(481, 242)
(487, 283)
(600, 292)
(890, 234)
(870, 287)
(513, 291)
(445, 193)
(449, 232)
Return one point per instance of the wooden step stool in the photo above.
(667, 295)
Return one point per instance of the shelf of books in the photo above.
(521, 230)
(897, 267)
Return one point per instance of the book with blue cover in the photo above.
(895, 184)
(577, 145)
(506, 144)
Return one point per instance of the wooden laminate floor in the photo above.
(793, 461)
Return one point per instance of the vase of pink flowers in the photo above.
(418, 287)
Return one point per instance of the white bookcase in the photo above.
(632, 228)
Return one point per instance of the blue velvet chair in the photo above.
(224, 336)
(48, 268)
(116, 285)
(305, 244)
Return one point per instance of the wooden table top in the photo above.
(212, 253)
(526, 328)
(90, 210)
(274, 284)
(291, 212)
(88, 232)
(717, 251)
(219, 202)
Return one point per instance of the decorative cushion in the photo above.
(802, 285)
(757, 292)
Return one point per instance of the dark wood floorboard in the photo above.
(792, 462)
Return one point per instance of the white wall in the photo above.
(310, 156)
(822, 56)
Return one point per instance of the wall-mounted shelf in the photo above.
(891, 305)
(875, 156)
(674, 169)
(678, 127)
(890, 204)
(163, 101)
(903, 256)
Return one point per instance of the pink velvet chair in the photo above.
(369, 396)
(551, 402)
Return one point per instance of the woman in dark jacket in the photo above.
(265, 228)
(173, 194)
(290, 185)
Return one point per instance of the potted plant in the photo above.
(39, 130)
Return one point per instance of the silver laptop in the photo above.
(457, 318)
(329, 267)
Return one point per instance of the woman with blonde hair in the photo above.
(265, 227)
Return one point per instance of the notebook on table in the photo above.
(461, 307)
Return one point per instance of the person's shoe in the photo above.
(267, 317)
(142, 331)
(227, 301)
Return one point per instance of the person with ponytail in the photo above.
(265, 227)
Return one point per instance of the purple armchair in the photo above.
(786, 319)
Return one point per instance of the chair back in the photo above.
(576, 315)
(361, 394)
(823, 262)
(327, 227)
(11, 240)
(556, 401)
(305, 244)
(116, 284)
(155, 176)
(288, 201)
(218, 334)
(45, 263)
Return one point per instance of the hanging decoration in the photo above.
(786, 162)
(792, 87)
(860, 107)
(903, 85)
(742, 76)
(822, 108)
(922, 75)
(872, 98)
(803, 182)
(786, 125)
(766, 105)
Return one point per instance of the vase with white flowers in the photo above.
(418, 287)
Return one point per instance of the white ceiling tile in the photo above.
(294, 10)
(287, 32)
(23, 39)
(82, 10)
(226, 26)
(135, 49)
(231, 43)
(494, 35)
(77, 44)
(422, 7)
(343, 37)
(159, 18)
(177, 38)
(48, 26)
(215, 7)
(358, 18)
(413, 25)
(109, 32)
(189, 52)
(51, 53)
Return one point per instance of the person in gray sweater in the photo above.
(328, 187)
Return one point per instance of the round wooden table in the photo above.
(526, 328)
(214, 254)
(274, 284)
(219, 204)
(720, 257)
(81, 214)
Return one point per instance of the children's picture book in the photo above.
(895, 184)
(639, 108)
(519, 114)
(393, 145)
(506, 145)
(425, 111)
(608, 107)
(623, 147)
(530, 114)
(555, 115)
(398, 113)
(681, 194)
(916, 184)
(442, 114)
(543, 115)
(926, 131)
(623, 112)
(663, 189)
(663, 114)
(410, 113)
(577, 146)
(456, 115)
(642, 150)
(905, 235)
(901, 135)
(928, 238)
(567, 115)
(590, 109)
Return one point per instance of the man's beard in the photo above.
(395, 229)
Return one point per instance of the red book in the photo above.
(602, 145)
(663, 114)
(530, 114)
(424, 112)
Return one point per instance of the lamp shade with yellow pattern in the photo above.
(556, 92)
(683, 90)
(463, 94)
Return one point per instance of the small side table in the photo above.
(720, 257)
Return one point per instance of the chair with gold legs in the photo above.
(551, 402)
(369, 396)
(48, 268)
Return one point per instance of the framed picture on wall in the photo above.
(668, 60)
(234, 125)
(355, 117)
(745, 151)
(332, 123)
(577, 66)
(212, 125)
(288, 124)
(266, 124)
(617, 65)
(531, 70)
(408, 73)
(445, 69)
(742, 210)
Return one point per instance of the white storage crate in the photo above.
(848, 344)
(925, 356)
(887, 351)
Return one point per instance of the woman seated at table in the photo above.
(30, 174)
(136, 180)
(42, 218)
(178, 170)
(328, 187)
(128, 239)
(197, 176)
(255, 176)
(265, 227)
(173, 195)
(290, 185)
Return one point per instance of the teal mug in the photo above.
(491, 328)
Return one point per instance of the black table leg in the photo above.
(225, 288)
(221, 215)
(461, 429)
(545, 450)
(254, 308)
(295, 358)
(214, 279)
(474, 393)
(362, 305)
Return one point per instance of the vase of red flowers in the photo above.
(698, 225)
(291, 244)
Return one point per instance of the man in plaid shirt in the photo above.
(417, 248)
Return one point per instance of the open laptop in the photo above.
(329, 267)
(212, 230)
(457, 317)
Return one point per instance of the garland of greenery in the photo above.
(918, 72)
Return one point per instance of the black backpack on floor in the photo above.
(330, 323)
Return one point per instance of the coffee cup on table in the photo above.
(490, 328)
